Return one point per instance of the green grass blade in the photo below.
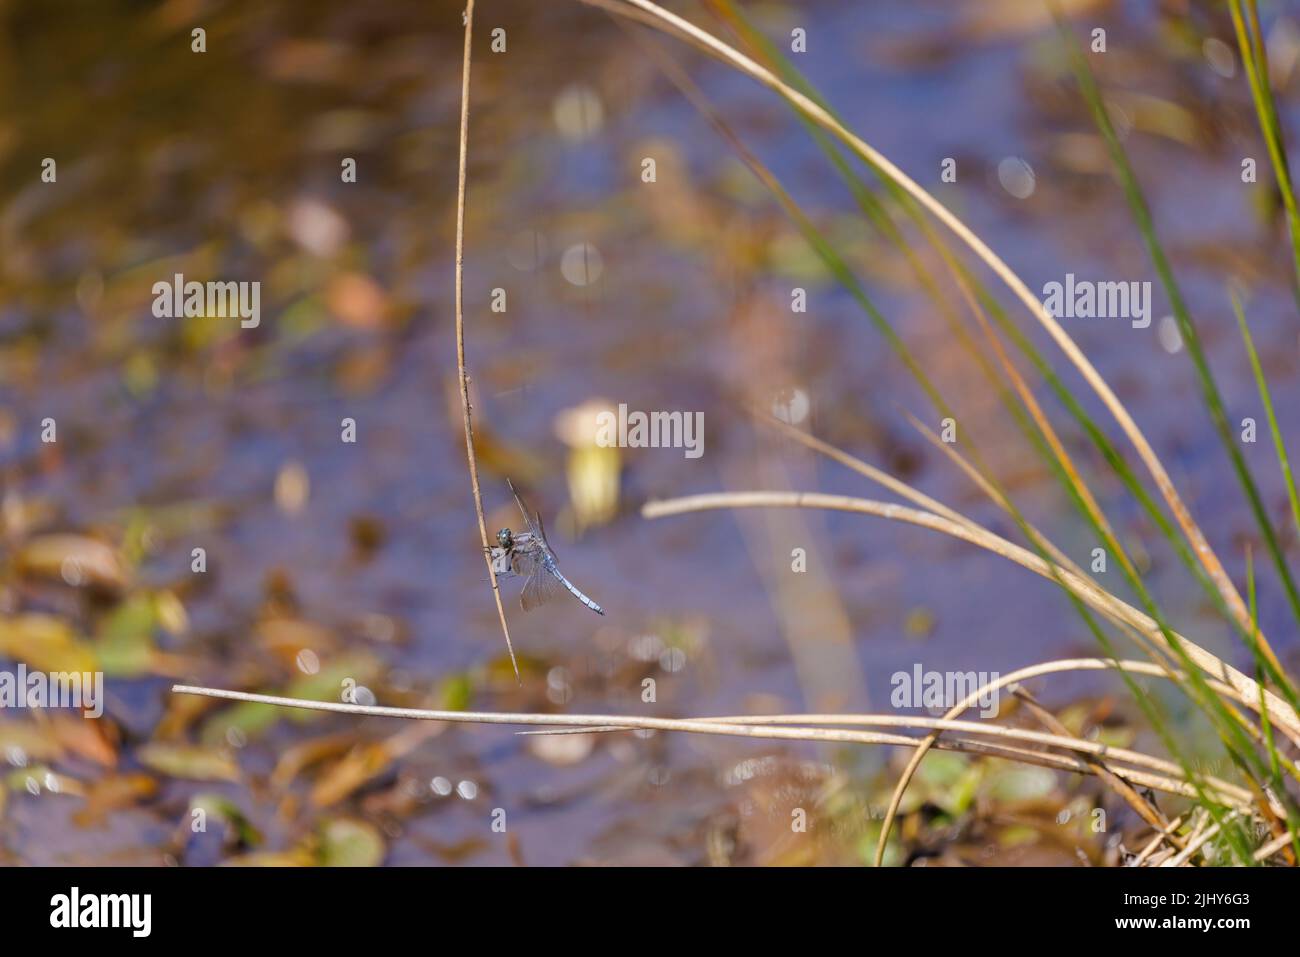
(1255, 60)
(1191, 338)
(1262, 383)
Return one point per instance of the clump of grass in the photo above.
(1048, 445)
(1236, 734)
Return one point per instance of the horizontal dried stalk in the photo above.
(1100, 600)
(753, 727)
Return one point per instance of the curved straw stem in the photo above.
(903, 490)
(653, 15)
(1087, 591)
(1025, 735)
(462, 374)
(1162, 667)
(1068, 664)
(1023, 674)
(1161, 655)
(998, 498)
(1069, 742)
(751, 728)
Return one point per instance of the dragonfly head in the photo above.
(504, 538)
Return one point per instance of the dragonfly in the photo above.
(529, 555)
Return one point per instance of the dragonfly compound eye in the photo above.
(504, 538)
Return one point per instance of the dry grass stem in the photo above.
(1100, 600)
(1149, 774)
(461, 371)
(1195, 844)
(1156, 841)
(1136, 801)
(1278, 844)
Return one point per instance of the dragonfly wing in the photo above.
(523, 509)
(540, 588)
(532, 519)
(524, 561)
(540, 531)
